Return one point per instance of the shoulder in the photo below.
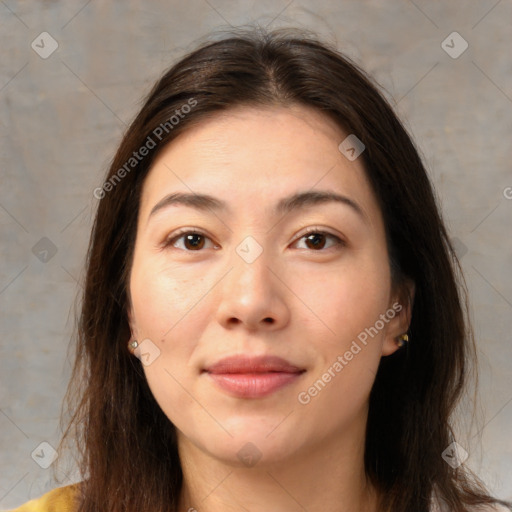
(61, 499)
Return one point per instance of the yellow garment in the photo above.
(61, 499)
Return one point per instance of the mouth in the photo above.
(253, 377)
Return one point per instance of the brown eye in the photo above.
(316, 240)
(192, 241)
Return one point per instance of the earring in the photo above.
(133, 344)
(402, 340)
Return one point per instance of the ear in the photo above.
(402, 303)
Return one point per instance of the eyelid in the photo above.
(315, 229)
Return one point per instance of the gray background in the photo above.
(62, 117)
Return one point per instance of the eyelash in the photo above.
(180, 234)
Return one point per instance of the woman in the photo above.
(270, 318)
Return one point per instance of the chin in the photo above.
(251, 448)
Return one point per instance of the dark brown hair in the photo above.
(127, 450)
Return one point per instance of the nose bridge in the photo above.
(251, 262)
(250, 292)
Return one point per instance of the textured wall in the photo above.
(63, 113)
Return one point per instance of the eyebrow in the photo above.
(285, 205)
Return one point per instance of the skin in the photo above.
(198, 306)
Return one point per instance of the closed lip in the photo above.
(252, 364)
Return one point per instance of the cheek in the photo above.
(164, 312)
(172, 386)
(164, 299)
(349, 303)
(346, 300)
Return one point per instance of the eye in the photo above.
(193, 240)
(315, 239)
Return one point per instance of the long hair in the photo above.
(127, 451)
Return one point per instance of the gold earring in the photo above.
(402, 340)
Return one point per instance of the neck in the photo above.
(328, 477)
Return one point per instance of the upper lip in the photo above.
(254, 364)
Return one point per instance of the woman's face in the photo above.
(249, 281)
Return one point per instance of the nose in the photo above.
(253, 295)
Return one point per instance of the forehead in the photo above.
(254, 156)
(264, 134)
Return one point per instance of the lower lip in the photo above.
(253, 385)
